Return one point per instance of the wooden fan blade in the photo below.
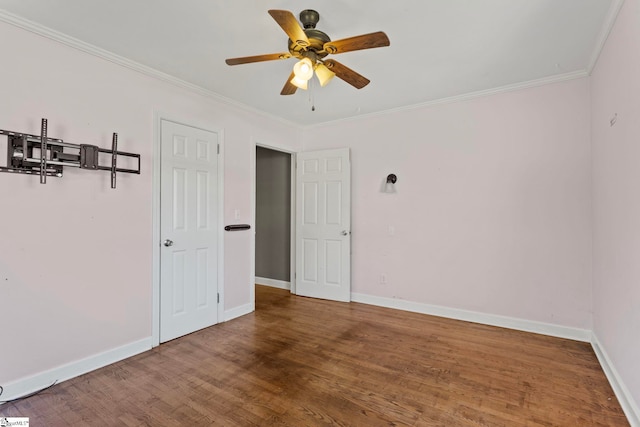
(365, 41)
(289, 88)
(257, 58)
(290, 25)
(347, 74)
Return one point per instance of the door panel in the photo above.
(323, 224)
(188, 218)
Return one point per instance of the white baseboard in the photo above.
(477, 317)
(238, 311)
(280, 284)
(629, 406)
(62, 373)
(27, 385)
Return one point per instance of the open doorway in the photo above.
(273, 218)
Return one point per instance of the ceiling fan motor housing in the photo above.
(309, 18)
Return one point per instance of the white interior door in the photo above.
(188, 230)
(323, 224)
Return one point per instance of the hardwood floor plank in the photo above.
(304, 362)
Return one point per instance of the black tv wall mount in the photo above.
(44, 156)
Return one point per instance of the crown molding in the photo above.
(607, 26)
(80, 45)
(465, 96)
(72, 42)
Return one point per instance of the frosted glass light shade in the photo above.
(324, 74)
(299, 83)
(303, 69)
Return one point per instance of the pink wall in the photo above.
(75, 256)
(492, 211)
(615, 89)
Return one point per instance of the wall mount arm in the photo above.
(45, 156)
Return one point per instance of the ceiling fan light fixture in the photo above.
(299, 83)
(303, 69)
(310, 46)
(324, 74)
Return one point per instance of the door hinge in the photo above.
(218, 298)
(218, 148)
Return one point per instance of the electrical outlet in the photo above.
(383, 279)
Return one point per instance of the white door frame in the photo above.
(292, 261)
(155, 203)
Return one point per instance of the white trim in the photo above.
(629, 406)
(155, 231)
(220, 224)
(238, 311)
(463, 97)
(254, 194)
(477, 317)
(85, 47)
(151, 72)
(292, 247)
(158, 117)
(607, 26)
(70, 370)
(280, 284)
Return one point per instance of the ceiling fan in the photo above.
(311, 46)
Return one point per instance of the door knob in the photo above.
(345, 233)
(168, 243)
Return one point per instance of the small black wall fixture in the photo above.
(52, 154)
(237, 227)
(391, 178)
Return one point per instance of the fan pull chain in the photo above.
(311, 84)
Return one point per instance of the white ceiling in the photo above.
(439, 48)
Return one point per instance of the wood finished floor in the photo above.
(303, 362)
